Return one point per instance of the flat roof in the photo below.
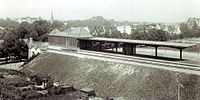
(141, 42)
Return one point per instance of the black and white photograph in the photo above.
(99, 49)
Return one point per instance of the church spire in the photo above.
(52, 19)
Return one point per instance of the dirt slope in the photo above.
(115, 79)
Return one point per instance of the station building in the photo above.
(68, 38)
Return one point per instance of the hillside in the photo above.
(111, 79)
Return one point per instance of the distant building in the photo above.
(28, 19)
(67, 38)
(124, 29)
(146, 27)
(33, 49)
(171, 28)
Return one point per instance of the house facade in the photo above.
(68, 39)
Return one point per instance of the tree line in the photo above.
(137, 34)
(14, 35)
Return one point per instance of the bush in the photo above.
(31, 94)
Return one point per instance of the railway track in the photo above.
(157, 62)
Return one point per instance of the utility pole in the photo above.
(179, 94)
(178, 91)
(177, 80)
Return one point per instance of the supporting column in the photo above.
(116, 46)
(124, 48)
(105, 45)
(100, 46)
(90, 44)
(181, 50)
(85, 45)
(131, 49)
(128, 49)
(134, 49)
(156, 51)
(80, 46)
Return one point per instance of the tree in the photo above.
(158, 35)
(152, 35)
(14, 47)
(57, 25)
(116, 34)
(23, 30)
(188, 31)
(8, 23)
(139, 35)
(40, 30)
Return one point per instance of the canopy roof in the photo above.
(141, 42)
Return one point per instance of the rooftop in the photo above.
(75, 32)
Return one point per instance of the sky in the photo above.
(121, 10)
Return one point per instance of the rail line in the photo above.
(163, 63)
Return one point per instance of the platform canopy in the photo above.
(142, 42)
